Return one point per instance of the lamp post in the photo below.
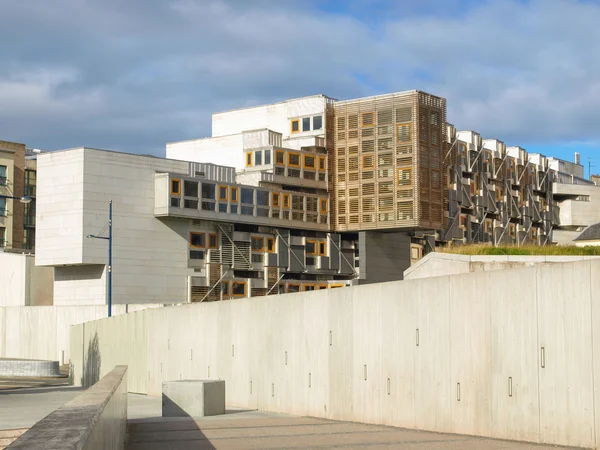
(21, 199)
(109, 239)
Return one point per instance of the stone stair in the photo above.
(7, 437)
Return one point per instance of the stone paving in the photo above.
(260, 430)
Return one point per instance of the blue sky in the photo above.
(134, 75)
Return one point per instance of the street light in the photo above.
(109, 239)
(24, 199)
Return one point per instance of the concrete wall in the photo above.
(383, 256)
(149, 255)
(95, 419)
(458, 354)
(23, 284)
(442, 264)
(42, 332)
(577, 212)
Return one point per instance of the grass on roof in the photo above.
(548, 250)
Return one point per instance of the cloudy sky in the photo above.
(132, 75)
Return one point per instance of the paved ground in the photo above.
(240, 429)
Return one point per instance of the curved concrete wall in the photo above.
(510, 354)
(96, 419)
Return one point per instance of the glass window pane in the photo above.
(317, 122)
(267, 156)
(208, 191)
(190, 188)
(306, 124)
(196, 254)
(257, 158)
(248, 196)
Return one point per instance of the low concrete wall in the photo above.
(96, 419)
(442, 264)
(28, 368)
(42, 332)
(457, 354)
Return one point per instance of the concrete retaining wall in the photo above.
(441, 264)
(42, 332)
(96, 419)
(459, 354)
(28, 368)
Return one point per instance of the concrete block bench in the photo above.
(193, 398)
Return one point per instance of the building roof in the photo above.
(591, 233)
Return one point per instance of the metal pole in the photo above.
(110, 258)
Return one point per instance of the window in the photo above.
(293, 288)
(190, 204)
(280, 157)
(306, 124)
(322, 286)
(257, 258)
(225, 288)
(334, 286)
(2, 237)
(309, 287)
(512, 229)
(258, 243)
(275, 199)
(30, 182)
(317, 122)
(238, 289)
(190, 188)
(208, 191)
(368, 161)
(322, 249)
(270, 245)
(534, 233)
(286, 200)
(213, 240)
(197, 240)
(175, 186)
(247, 196)
(295, 126)
(196, 254)
(368, 119)
(258, 158)
(175, 202)
(293, 159)
(404, 177)
(322, 164)
(3, 175)
(223, 192)
(2, 207)
(223, 207)
(311, 247)
(403, 133)
(309, 161)
(234, 194)
(323, 206)
(248, 159)
(267, 156)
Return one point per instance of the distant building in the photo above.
(589, 236)
(17, 179)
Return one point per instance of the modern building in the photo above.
(304, 194)
(17, 180)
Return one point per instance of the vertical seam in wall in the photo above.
(537, 350)
(593, 365)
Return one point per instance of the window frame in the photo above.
(297, 122)
(305, 285)
(286, 199)
(283, 158)
(233, 284)
(313, 122)
(323, 201)
(275, 200)
(223, 186)
(197, 233)
(260, 154)
(271, 243)
(289, 163)
(398, 178)
(309, 124)
(410, 134)
(323, 160)
(335, 286)
(321, 286)
(237, 195)
(315, 251)
(372, 166)
(178, 192)
(306, 166)
(323, 244)
(249, 159)
(362, 119)
(216, 236)
(287, 288)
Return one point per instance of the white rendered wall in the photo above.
(274, 117)
(223, 150)
(22, 283)
(458, 354)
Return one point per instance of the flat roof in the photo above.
(274, 103)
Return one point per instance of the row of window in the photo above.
(294, 159)
(255, 158)
(488, 227)
(258, 244)
(306, 287)
(403, 176)
(198, 240)
(308, 123)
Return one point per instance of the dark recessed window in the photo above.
(208, 191)
(190, 188)
(267, 156)
(174, 202)
(196, 254)
(191, 204)
(257, 158)
(247, 196)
